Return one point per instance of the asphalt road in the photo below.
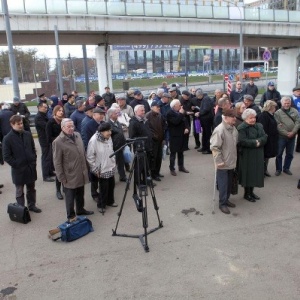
(253, 253)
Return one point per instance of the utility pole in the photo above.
(11, 55)
(58, 64)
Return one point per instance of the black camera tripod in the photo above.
(142, 181)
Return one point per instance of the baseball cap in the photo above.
(271, 83)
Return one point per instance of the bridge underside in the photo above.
(99, 38)
(77, 30)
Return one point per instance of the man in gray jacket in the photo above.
(223, 146)
(288, 123)
(71, 168)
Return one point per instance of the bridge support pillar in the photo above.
(104, 66)
(288, 61)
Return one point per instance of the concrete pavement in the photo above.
(253, 253)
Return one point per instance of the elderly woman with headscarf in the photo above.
(251, 141)
(269, 124)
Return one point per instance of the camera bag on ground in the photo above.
(72, 230)
(18, 213)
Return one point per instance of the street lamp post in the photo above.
(241, 67)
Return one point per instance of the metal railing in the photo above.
(152, 8)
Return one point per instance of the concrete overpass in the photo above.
(106, 23)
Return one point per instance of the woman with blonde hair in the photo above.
(266, 118)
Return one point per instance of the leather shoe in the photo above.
(224, 209)
(160, 175)
(124, 179)
(230, 204)
(59, 195)
(49, 179)
(249, 198)
(267, 173)
(254, 196)
(199, 150)
(85, 212)
(35, 209)
(206, 152)
(156, 178)
(288, 172)
(114, 204)
(277, 173)
(184, 170)
(101, 210)
(1, 186)
(197, 147)
(96, 199)
(173, 173)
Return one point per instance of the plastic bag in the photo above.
(127, 155)
(164, 152)
(197, 126)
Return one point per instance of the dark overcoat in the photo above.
(251, 158)
(41, 121)
(117, 135)
(270, 127)
(176, 125)
(19, 152)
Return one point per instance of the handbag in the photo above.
(234, 183)
(18, 213)
(127, 154)
(72, 230)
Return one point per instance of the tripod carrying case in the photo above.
(18, 213)
(72, 230)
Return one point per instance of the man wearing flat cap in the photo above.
(223, 146)
(19, 108)
(138, 100)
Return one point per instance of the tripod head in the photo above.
(138, 145)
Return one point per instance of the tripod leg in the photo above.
(145, 225)
(125, 194)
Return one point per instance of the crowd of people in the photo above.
(83, 141)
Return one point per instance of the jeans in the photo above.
(224, 181)
(288, 145)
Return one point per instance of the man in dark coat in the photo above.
(138, 99)
(118, 140)
(223, 105)
(251, 89)
(237, 94)
(69, 107)
(187, 107)
(78, 115)
(5, 116)
(271, 94)
(89, 130)
(157, 126)
(41, 121)
(19, 108)
(138, 128)
(206, 119)
(249, 103)
(108, 97)
(178, 127)
(19, 152)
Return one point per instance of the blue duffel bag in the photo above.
(71, 231)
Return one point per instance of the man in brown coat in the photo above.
(71, 168)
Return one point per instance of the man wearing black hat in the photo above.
(138, 99)
(156, 124)
(223, 146)
(271, 94)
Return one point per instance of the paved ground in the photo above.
(251, 254)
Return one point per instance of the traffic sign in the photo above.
(267, 55)
(266, 66)
(226, 77)
(231, 77)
